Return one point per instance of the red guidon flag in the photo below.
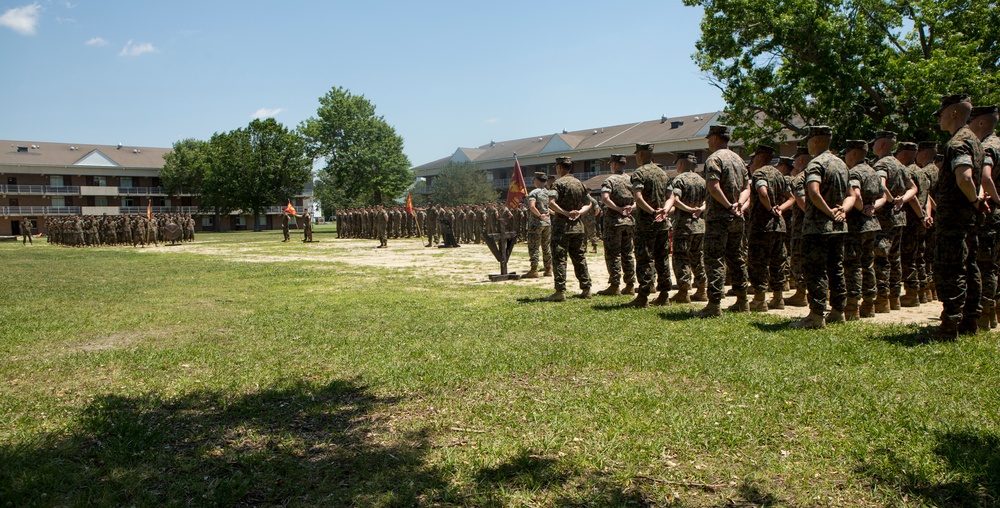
(409, 204)
(517, 189)
(290, 209)
(149, 209)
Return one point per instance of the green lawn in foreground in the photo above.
(165, 378)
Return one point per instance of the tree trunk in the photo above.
(256, 221)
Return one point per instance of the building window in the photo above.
(128, 201)
(14, 202)
(58, 201)
(595, 166)
(206, 222)
(101, 181)
(262, 220)
(100, 201)
(166, 202)
(56, 181)
(125, 181)
(11, 180)
(68, 200)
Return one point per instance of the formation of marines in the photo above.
(116, 230)
(880, 226)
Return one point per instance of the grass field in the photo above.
(178, 378)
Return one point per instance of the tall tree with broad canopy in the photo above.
(857, 65)
(461, 183)
(362, 153)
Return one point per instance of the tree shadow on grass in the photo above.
(301, 444)
(556, 484)
(971, 476)
(678, 314)
(911, 336)
(777, 326)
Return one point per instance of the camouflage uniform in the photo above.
(539, 230)
(724, 247)
(766, 248)
(652, 239)
(590, 222)
(822, 237)
(989, 234)
(689, 232)
(956, 274)
(915, 235)
(859, 244)
(888, 264)
(797, 186)
(619, 231)
(568, 236)
(931, 172)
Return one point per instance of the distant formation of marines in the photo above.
(115, 230)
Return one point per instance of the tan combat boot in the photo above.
(993, 318)
(813, 321)
(867, 309)
(894, 302)
(910, 299)
(700, 294)
(640, 302)
(932, 287)
(922, 296)
(947, 331)
(532, 274)
(558, 296)
(835, 316)
(851, 310)
(681, 296)
(968, 325)
(881, 304)
(777, 301)
(585, 294)
(741, 305)
(612, 290)
(759, 303)
(662, 298)
(629, 289)
(798, 299)
(983, 323)
(710, 310)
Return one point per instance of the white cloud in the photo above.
(492, 120)
(97, 41)
(133, 49)
(267, 112)
(22, 20)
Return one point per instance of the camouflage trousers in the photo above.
(590, 227)
(725, 250)
(929, 257)
(432, 232)
(859, 265)
(575, 245)
(956, 274)
(989, 252)
(538, 240)
(911, 254)
(380, 232)
(689, 267)
(618, 254)
(795, 261)
(766, 261)
(888, 265)
(823, 255)
(652, 247)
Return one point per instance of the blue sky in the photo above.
(444, 73)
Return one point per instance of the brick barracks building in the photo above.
(39, 180)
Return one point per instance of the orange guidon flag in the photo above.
(517, 189)
(409, 204)
(149, 209)
(290, 209)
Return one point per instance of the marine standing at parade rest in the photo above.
(824, 229)
(654, 199)
(926, 151)
(619, 229)
(796, 182)
(26, 232)
(539, 227)
(570, 201)
(862, 226)
(983, 121)
(899, 188)
(729, 187)
(689, 230)
(959, 210)
(766, 247)
(911, 241)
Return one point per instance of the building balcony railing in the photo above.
(8, 211)
(38, 190)
(141, 210)
(143, 191)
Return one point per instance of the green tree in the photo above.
(362, 153)
(462, 183)
(194, 166)
(857, 65)
(333, 198)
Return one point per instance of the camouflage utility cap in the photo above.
(951, 100)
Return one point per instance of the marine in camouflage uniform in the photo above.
(899, 188)
(959, 203)
(823, 231)
(570, 202)
(689, 230)
(619, 229)
(539, 227)
(862, 226)
(654, 199)
(381, 225)
(26, 232)
(729, 189)
(433, 214)
(982, 121)
(796, 182)
(931, 170)
(766, 247)
(911, 247)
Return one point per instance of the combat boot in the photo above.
(585, 294)
(681, 296)
(922, 296)
(699, 295)
(558, 296)
(612, 290)
(851, 310)
(835, 316)
(932, 287)
(867, 309)
(881, 304)
(532, 274)
(813, 321)
(777, 301)
(662, 298)
(894, 302)
(548, 272)
(731, 292)
(947, 331)
(640, 302)
(629, 289)
(983, 323)
(759, 303)
(910, 299)
(741, 305)
(993, 317)
(798, 299)
(710, 310)
(969, 325)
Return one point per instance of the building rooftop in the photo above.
(42, 153)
